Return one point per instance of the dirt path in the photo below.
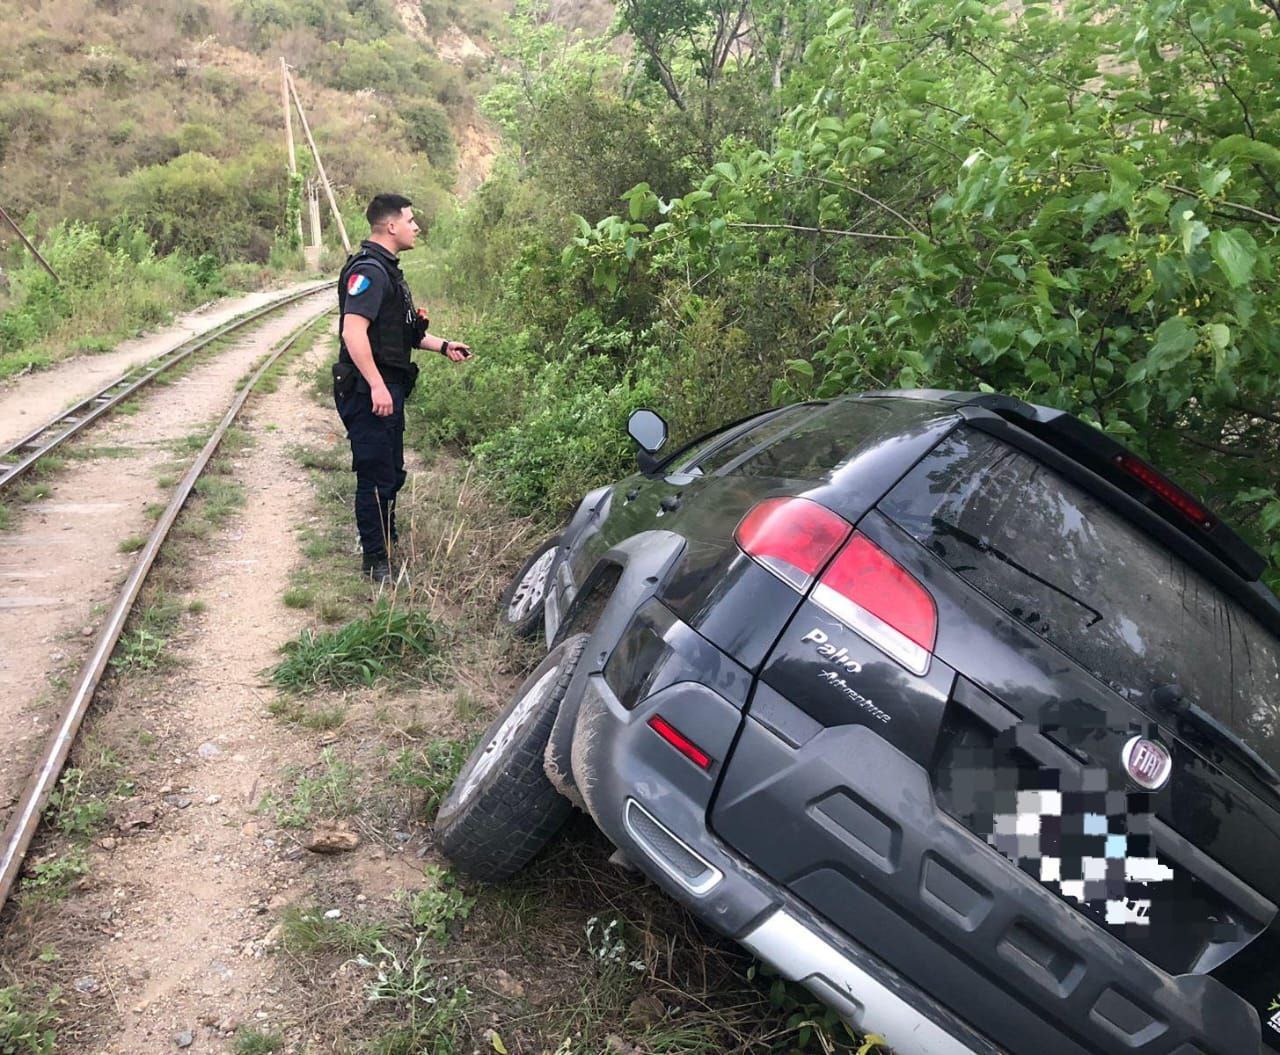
(26, 402)
(189, 900)
(62, 561)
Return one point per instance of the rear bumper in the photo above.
(652, 803)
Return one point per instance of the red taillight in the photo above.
(792, 537)
(1166, 489)
(871, 593)
(680, 742)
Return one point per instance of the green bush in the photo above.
(111, 284)
(429, 131)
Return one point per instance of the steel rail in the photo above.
(22, 455)
(22, 825)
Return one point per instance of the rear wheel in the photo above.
(502, 809)
(526, 597)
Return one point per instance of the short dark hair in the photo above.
(386, 207)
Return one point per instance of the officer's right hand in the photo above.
(382, 404)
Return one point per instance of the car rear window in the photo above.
(1094, 585)
(816, 444)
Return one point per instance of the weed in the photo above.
(34, 492)
(322, 459)
(50, 463)
(155, 510)
(142, 646)
(197, 607)
(52, 879)
(309, 930)
(166, 480)
(434, 907)
(133, 543)
(329, 794)
(431, 770)
(220, 498)
(254, 1042)
(72, 809)
(6, 518)
(607, 946)
(298, 597)
(387, 641)
(27, 1027)
(331, 609)
(320, 718)
(432, 1007)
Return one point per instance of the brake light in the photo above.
(680, 742)
(873, 594)
(1166, 489)
(792, 537)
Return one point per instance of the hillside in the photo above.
(169, 113)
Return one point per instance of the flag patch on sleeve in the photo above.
(356, 285)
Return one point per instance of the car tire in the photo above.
(502, 809)
(525, 599)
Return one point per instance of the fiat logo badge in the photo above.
(1147, 762)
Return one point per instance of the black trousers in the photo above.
(377, 457)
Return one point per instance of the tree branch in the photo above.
(861, 194)
(821, 230)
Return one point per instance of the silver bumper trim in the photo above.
(858, 997)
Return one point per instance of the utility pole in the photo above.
(288, 138)
(27, 242)
(328, 189)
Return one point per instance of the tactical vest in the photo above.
(392, 334)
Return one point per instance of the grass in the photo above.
(327, 794)
(133, 543)
(320, 718)
(430, 770)
(308, 931)
(6, 518)
(34, 492)
(389, 641)
(257, 1042)
(298, 597)
(28, 1025)
(142, 646)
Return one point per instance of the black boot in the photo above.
(377, 567)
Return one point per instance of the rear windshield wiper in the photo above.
(1172, 699)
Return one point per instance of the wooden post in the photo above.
(27, 242)
(288, 137)
(313, 208)
(328, 190)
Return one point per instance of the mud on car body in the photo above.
(944, 704)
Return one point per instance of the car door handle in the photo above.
(633, 494)
(670, 503)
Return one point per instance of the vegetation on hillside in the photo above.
(1077, 203)
(142, 145)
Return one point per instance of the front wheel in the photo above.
(502, 809)
(525, 599)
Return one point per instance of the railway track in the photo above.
(23, 454)
(25, 819)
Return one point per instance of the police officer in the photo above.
(380, 327)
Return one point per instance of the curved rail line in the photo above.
(22, 455)
(22, 825)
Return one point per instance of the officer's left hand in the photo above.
(458, 352)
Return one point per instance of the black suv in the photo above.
(944, 704)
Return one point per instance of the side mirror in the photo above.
(648, 429)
